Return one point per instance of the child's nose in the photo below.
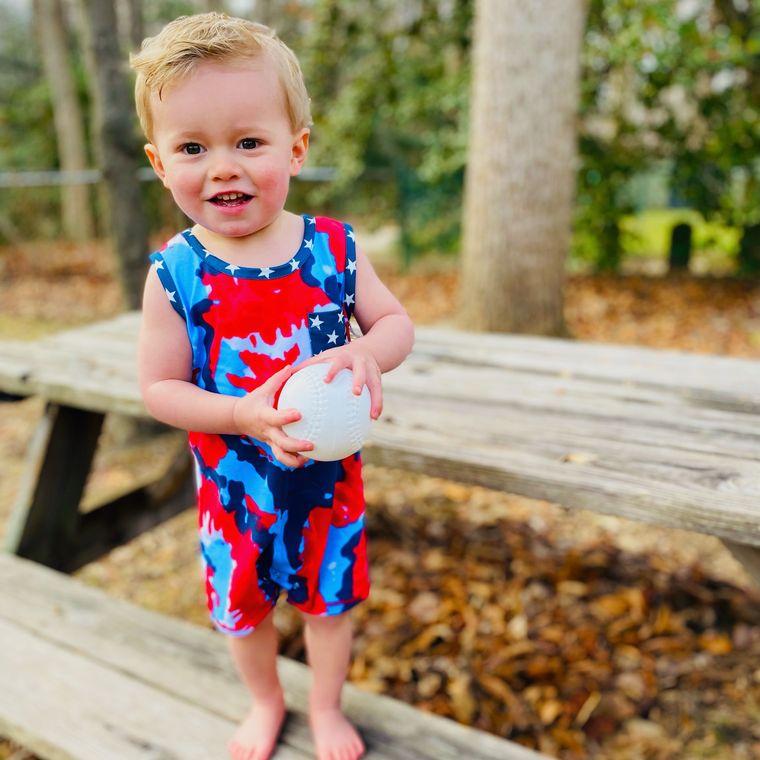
(224, 167)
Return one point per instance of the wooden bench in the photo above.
(671, 439)
(89, 677)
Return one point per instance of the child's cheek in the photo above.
(186, 188)
(274, 179)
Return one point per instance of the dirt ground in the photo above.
(582, 635)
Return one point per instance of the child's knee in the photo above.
(327, 622)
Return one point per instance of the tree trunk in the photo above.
(521, 165)
(119, 147)
(50, 24)
(131, 23)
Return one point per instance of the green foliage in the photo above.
(26, 115)
(715, 160)
(389, 87)
(673, 83)
(670, 87)
(26, 129)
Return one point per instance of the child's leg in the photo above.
(255, 657)
(328, 646)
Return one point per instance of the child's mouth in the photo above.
(230, 199)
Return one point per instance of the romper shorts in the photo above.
(298, 531)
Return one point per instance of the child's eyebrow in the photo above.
(182, 134)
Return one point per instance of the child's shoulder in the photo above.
(177, 245)
(329, 224)
(337, 236)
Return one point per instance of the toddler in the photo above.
(232, 307)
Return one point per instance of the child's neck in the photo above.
(274, 244)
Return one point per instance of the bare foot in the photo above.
(257, 735)
(335, 738)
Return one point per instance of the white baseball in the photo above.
(335, 420)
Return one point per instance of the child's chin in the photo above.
(234, 230)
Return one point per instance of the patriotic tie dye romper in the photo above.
(267, 528)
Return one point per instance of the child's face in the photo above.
(224, 147)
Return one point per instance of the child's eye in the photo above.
(249, 143)
(191, 149)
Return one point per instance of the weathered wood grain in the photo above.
(90, 712)
(660, 436)
(166, 676)
(696, 375)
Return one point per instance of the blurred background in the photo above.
(668, 131)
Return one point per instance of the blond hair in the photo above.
(189, 40)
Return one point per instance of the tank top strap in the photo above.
(349, 282)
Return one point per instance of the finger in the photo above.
(375, 386)
(321, 358)
(360, 378)
(335, 367)
(308, 362)
(288, 444)
(289, 460)
(279, 417)
(276, 380)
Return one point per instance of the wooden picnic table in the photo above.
(660, 436)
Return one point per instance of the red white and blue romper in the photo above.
(264, 527)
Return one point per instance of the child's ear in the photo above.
(155, 161)
(299, 150)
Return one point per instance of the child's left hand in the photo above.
(363, 365)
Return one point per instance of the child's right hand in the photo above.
(254, 415)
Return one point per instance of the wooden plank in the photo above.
(708, 376)
(445, 379)
(723, 438)
(64, 705)
(553, 356)
(46, 522)
(45, 517)
(81, 381)
(191, 664)
(496, 394)
(109, 348)
(580, 484)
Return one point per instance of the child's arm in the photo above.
(164, 371)
(388, 336)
